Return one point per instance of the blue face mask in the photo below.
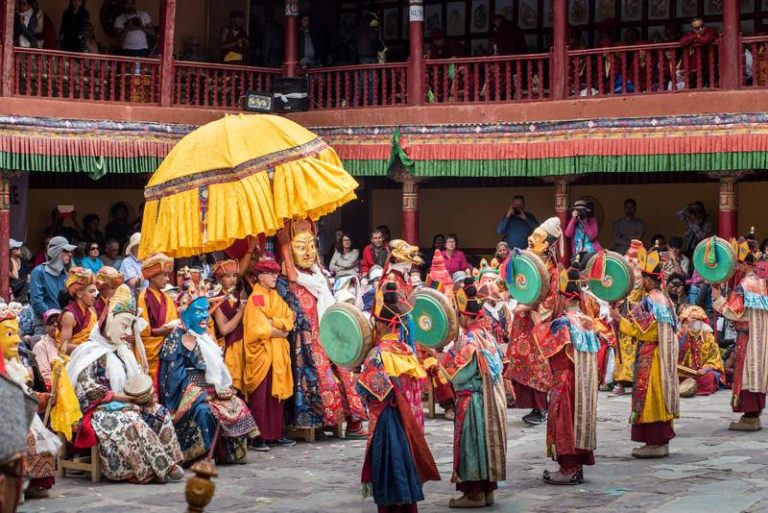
(195, 317)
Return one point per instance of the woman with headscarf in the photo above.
(48, 279)
(33, 28)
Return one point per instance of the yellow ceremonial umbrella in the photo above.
(241, 175)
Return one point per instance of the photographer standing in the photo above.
(699, 228)
(133, 26)
(582, 229)
(517, 225)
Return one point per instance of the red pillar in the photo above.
(416, 58)
(410, 209)
(727, 211)
(168, 17)
(730, 52)
(562, 202)
(6, 46)
(5, 235)
(291, 38)
(559, 49)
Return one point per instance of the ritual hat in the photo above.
(77, 279)
(224, 267)
(156, 264)
(108, 277)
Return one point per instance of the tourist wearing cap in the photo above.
(19, 271)
(130, 267)
(46, 349)
(48, 279)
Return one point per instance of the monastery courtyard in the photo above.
(709, 470)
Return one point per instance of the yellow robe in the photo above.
(152, 344)
(249, 361)
(84, 334)
(709, 353)
(624, 371)
(654, 409)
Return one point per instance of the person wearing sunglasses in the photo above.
(91, 260)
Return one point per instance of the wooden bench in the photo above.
(89, 463)
(310, 434)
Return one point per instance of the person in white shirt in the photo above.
(628, 228)
(133, 26)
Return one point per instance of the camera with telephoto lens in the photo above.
(582, 212)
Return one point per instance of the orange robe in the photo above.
(158, 309)
(251, 359)
(85, 320)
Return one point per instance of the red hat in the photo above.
(266, 266)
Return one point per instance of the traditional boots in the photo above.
(490, 500)
(468, 500)
(564, 476)
(450, 413)
(746, 424)
(651, 451)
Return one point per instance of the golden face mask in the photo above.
(537, 242)
(304, 249)
(9, 338)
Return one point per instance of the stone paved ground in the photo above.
(710, 470)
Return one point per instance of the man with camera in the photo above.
(582, 229)
(132, 27)
(517, 224)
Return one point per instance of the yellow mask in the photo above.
(9, 338)
(537, 242)
(304, 249)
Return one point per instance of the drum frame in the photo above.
(718, 241)
(618, 258)
(540, 266)
(366, 330)
(452, 318)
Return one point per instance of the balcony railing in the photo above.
(488, 79)
(82, 76)
(218, 85)
(371, 85)
(654, 68)
(630, 70)
(754, 64)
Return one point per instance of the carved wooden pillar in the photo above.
(562, 212)
(5, 235)
(727, 209)
(7, 16)
(166, 52)
(291, 38)
(410, 208)
(416, 57)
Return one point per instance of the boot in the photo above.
(535, 418)
(651, 451)
(359, 433)
(746, 424)
(619, 390)
(467, 501)
(490, 500)
(564, 476)
(450, 413)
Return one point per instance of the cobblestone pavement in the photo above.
(710, 470)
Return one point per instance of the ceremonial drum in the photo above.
(435, 321)
(714, 260)
(618, 278)
(527, 278)
(140, 388)
(346, 335)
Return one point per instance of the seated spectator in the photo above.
(73, 25)
(48, 279)
(32, 28)
(454, 258)
(235, 47)
(19, 272)
(91, 260)
(46, 349)
(133, 27)
(130, 267)
(676, 291)
(345, 262)
(375, 253)
(111, 256)
(700, 353)
(335, 247)
(502, 251)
